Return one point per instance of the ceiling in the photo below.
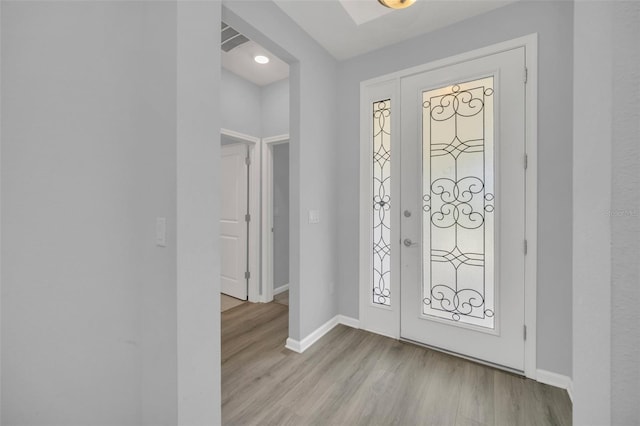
(347, 28)
(240, 61)
(356, 27)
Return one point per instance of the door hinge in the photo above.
(524, 332)
(247, 275)
(247, 161)
(526, 74)
(247, 217)
(526, 247)
(526, 161)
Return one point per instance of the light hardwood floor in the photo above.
(228, 302)
(282, 298)
(352, 377)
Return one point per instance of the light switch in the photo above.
(314, 216)
(161, 232)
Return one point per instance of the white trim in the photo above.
(1, 229)
(293, 345)
(240, 137)
(254, 209)
(530, 44)
(279, 138)
(304, 344)
(524, 41)
(281, 289)
(380, 319)
(348, 321)
(266, 213)
(556, 380)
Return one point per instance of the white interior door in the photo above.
(233, 227)
(463, 203)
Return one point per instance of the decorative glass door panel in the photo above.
(458, 202)
(463, 202)
(381, 291)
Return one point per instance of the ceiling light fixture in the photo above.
(396, 4)
(261, 59)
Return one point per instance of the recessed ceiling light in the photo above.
(261, 59)
(396, 4)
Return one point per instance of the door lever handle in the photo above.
(408, 243)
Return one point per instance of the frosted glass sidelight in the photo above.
(458, 203)
(381, 236)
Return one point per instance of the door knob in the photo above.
(408, 243)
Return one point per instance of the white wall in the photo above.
(606, 291)
(240, 104)
(312, 148)
(274, 99)
(553, 21)
(88, 162)
(280, 215)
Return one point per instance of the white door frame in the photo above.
(267, 213)
(388, 85)
(253, 143)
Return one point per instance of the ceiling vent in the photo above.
(230, 38)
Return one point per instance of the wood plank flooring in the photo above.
(282, 298)
(353, 377)
(228, 302)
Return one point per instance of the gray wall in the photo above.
(591, 222)
(88, 162)
(313, 151)
(240, 105)
(625, 218)
(275, 121)
(254, 110)
(280, 215)
(198, 260)
(606, 292)
(275, 108)
(553, 21)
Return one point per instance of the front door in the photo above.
(463, 208)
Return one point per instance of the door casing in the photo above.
(386, 320)
(267, 213)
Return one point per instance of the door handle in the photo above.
(408, 243)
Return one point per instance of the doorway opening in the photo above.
(275, 213)
(254, 220)
(255, 116)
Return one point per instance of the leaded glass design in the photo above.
(458, 203)
(381, 293)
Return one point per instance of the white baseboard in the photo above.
(293, 345)
(557, 380)
(304, 344)
(280, 289)
(348, 321)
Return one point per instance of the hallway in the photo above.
(354, 377)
